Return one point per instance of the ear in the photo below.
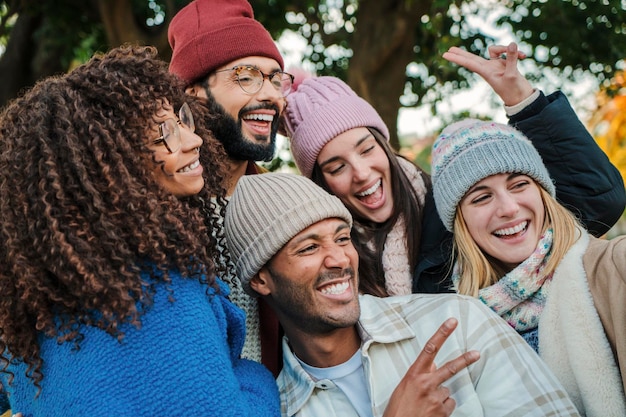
(260, 282)
(193, 90)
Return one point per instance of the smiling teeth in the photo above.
(261, 117)
(335, 288)
(370, 190)
(511, 230)
(190, 167)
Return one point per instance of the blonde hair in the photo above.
(478, 270)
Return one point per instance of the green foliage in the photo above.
(423, 158)
(89, 45)
(7, 20)
(327, 26)
(577, 34)
(566, 35)
(66, 25)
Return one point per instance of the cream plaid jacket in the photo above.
(508, 380)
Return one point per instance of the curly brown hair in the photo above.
(82, 215)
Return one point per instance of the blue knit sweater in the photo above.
(183, 361)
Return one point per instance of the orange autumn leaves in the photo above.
(608, 123)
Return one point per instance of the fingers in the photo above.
(449, 369)
(513, 49)
(463, 58)
(443, 393)
(425, 360)
(421, 388)
(449, 405)
(504, 52)
(511, 60)
(496, 51)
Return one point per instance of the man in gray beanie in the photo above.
(348, 354)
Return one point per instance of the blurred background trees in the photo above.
(608, 122)
(384, 49)
(389, 51)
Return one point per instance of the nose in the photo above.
(268, 92)
(360, 171)
(507, 206)
(189, 139)
(336, 257)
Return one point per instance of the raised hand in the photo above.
(420, 392)
(499, 70)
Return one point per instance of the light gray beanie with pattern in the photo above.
(266, 211)
(468, 151)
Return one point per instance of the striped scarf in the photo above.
(519, 296)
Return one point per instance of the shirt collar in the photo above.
(378, 324)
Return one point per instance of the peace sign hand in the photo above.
(420, 392)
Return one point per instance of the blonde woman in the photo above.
(527, 257)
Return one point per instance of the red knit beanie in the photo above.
(207, 34)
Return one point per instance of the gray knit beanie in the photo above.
(468, 151)
(266, 211)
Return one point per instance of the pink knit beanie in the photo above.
(207, 34)
(320, 109)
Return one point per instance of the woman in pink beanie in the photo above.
(329, 124)
(340, 141)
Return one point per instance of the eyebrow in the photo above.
(316, 236)
(256, 67)
(482, 187)
(359, 142)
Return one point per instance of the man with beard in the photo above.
(223, 53)
(349, 355)
(230, 60)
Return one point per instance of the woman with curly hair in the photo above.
(110, 303)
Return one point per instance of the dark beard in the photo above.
(292, 299)
(228, 131)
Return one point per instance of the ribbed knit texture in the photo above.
(398, 275)
(207, 34)
(320, 109)
(470, 150)
(266, 211)
(250, 306)
(183, 361)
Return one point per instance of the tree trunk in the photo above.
(122, 26)
(383, 47)
(16, 69)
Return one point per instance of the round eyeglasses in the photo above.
(250, 79)
(170, 131)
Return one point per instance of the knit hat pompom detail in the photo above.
(320, 109)
(299, 75)
(207, 34)
(470, 150)
(266, 211)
